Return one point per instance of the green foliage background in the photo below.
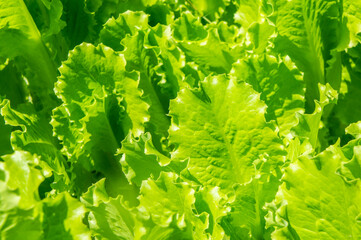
(180, 119)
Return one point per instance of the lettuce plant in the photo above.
(180, 119)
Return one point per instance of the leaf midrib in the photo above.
(233, 157)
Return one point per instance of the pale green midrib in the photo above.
(312, 45)
(234, 159)
(238, 177)
(316, 74)
(46, 64)
(32, 26)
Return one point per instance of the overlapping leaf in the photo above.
(317, 202)
(223, 132)
(101, 105)
(303, 25)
